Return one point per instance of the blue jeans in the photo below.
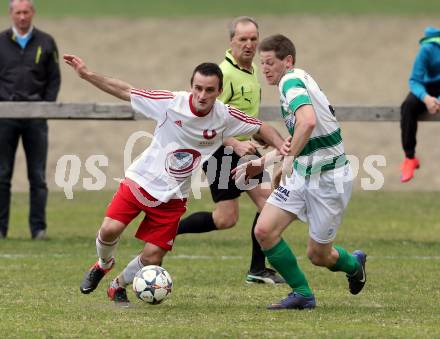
(34, 135)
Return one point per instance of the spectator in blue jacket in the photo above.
(424, 84)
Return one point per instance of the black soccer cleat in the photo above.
(266, 276)
(356, 281)
(93, 277)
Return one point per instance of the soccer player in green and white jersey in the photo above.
(316, 190)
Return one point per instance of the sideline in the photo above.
(222, 257)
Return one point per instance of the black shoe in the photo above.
(93, 277)
(357, 281)
(266, 276)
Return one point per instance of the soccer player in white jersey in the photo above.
(191, 126)
(315, 191)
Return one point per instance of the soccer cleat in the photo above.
(118, 295)
(357, 281)
(266, 276)
(407, 168)
(93, 277)
(294, 301)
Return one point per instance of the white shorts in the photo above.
(318, 200)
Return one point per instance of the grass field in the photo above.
(136, 8)
(40, 295)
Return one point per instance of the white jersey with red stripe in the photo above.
(183, 139)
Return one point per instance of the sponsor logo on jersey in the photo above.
(206, 143)
(209, 134)
(180, 163)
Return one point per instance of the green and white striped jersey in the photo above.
(325, 150)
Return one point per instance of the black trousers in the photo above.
(34, 135)
(410, 110)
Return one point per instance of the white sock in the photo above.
(127, 275)
(117, 282)
(105, 251)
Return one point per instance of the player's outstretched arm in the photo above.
(270, 136)
(254, 167)
(242, 147)
(115, 87)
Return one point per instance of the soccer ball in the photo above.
(152, 284)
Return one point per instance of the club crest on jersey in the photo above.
(209, 134)
(180, 163)
(178, 123)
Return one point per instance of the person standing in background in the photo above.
(29, 72)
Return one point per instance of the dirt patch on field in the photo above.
(356, 60)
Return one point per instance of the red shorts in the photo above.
(159, 226)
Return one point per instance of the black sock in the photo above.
(258, 262)
(199, 222)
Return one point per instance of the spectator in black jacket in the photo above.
(29, 71)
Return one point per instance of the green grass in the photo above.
(40, 295)
(227, 8)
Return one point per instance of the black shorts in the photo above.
(218, 171)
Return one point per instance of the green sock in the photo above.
(283, 260)
(347, 262)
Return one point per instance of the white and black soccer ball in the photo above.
(152, 284)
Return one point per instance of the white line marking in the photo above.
(210, 257)
(19, 255)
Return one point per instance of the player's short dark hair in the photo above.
(207, 69)
(281, 45)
